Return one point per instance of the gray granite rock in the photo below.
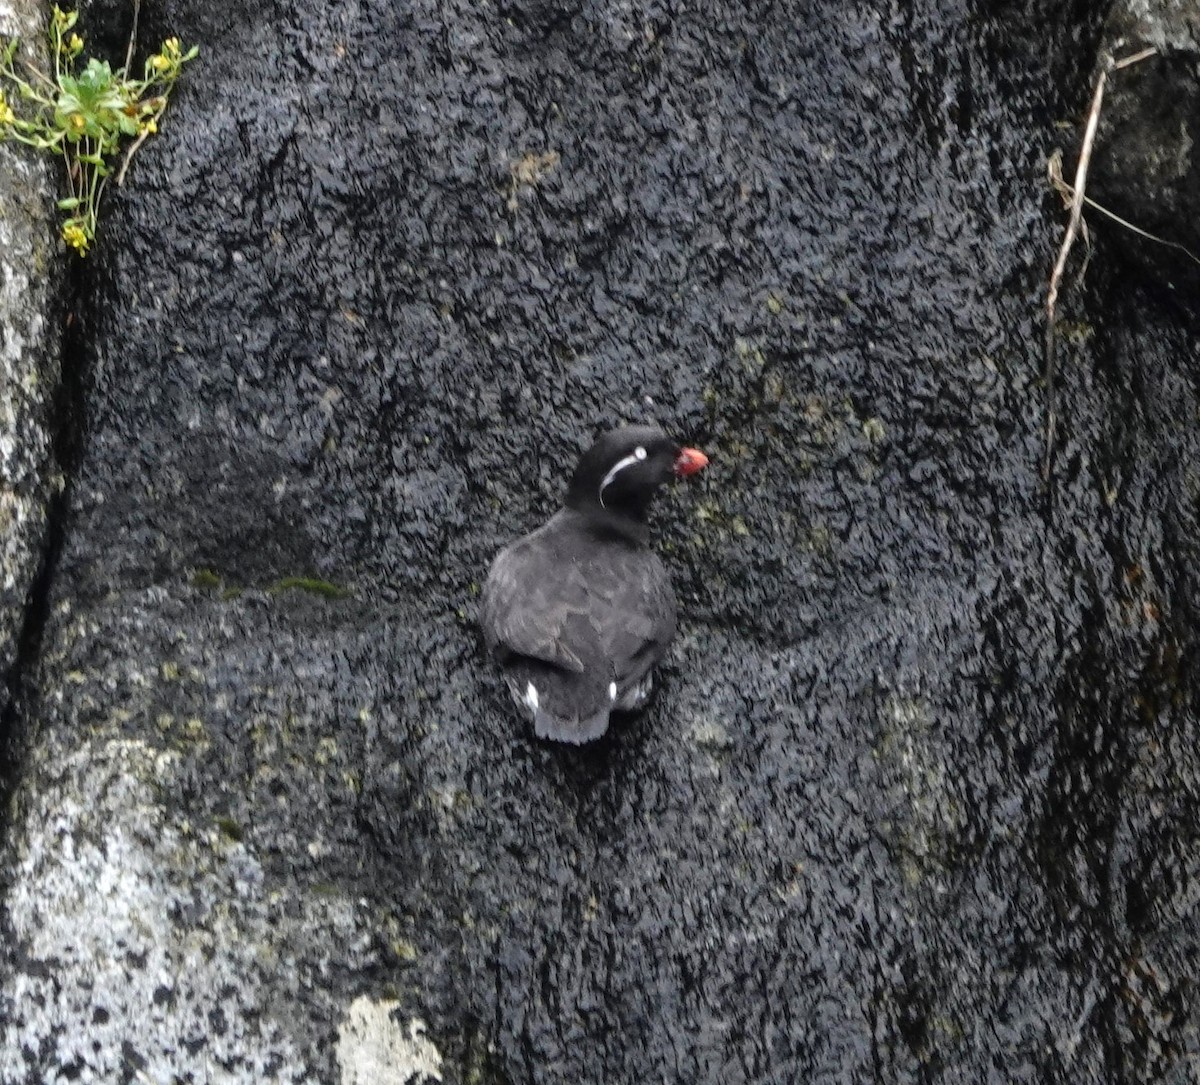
(30, 357)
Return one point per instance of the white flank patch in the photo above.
(373, 1048)
(531, 697)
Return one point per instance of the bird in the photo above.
(578, 612)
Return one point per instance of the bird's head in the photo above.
(621, 473)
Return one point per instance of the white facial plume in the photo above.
(636, 456)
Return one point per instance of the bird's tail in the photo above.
(575, 731)
(564, 706)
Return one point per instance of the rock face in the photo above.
(917, 800)
(1146, 165)
(30, 352)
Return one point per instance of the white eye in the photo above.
(640, 452)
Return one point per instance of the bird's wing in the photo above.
(640, 613)
(525, 613)
(607, 603)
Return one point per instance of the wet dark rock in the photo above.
(916, 802)
(1146, 164)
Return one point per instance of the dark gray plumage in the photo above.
(578, 612)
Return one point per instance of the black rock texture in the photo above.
(918, 799)
(1146, 164)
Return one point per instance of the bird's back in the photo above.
(577, 619)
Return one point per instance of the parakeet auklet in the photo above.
(579, 611)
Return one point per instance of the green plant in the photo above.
(85, 114)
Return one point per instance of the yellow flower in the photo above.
(78, 122)
(171, 47)
(150, 126)
(159, 62)
(75, 237)
(74, 44)
(6, 114)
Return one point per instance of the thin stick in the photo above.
(141, 138)
(41, 76)
(1054, 173)
(137, 5)
(1077, 200)
(1085, 157)
(1140, 232)
(1136, 58)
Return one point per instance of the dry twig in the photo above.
(1075, 225)
(1054, 171)
(137, 7)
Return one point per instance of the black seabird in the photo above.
(578, 612)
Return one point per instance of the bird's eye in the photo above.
(640, 452)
